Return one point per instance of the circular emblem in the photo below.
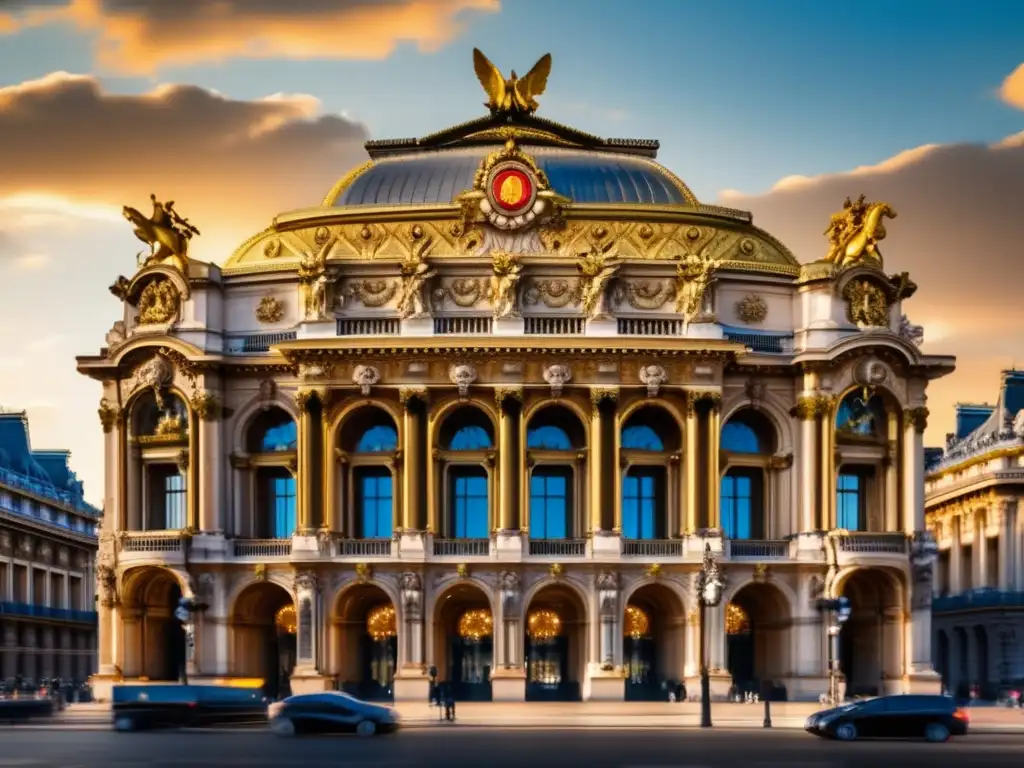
(511, 196)
(511, 189)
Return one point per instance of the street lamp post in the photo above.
(709, 595)
(186, 612)
(838, 611)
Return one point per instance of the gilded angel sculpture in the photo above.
(514, 94)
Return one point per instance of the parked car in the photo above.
(330, 712)
(23, 709)
(141, 707)
(934, 718)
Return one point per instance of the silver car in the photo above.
(330, 712)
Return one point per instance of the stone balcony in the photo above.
(507, 547)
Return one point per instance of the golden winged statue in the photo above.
(514, 94)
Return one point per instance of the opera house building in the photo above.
(481, 411)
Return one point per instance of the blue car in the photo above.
(330, 712)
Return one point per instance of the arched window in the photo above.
(861, 415)
(370, 438)
(272, 440)
(648, 438)
(273, 431)
(748, 439)
(851, 497)
(159, 421)
(553, 436)
(464, 437)
(382, 438)
(548, 437)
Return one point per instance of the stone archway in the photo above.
(366, 642)
(154, 640)
(758, 625)
(263, 626)
(871, 640)
(556, 645)
(653, 642)
(464, 641)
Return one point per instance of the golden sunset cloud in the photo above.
(69, 147)
(1012, 89)
(140, 36)
(958, 234)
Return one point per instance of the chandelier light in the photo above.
(736, 620)
(544, 624)
(637, 623)
(380, 622)
(285, 620)
(476, 624)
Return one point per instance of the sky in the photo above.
(240, 109)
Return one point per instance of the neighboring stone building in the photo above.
(47, 553)
(973, 507)
(483, 408)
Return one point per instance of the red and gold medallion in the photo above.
(511, 195)
(511, 189)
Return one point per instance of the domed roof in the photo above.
(582, 175)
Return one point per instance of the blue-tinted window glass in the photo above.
(382, 438)
(738, 437)
(550, 502)
(640, 437)
(548, 438)
(375, 499)
(740, 504)
(470, 438)
(859, 416)
(174, 502)
(281, 437)
(849, 502)
(470, 503)
(281, 498)
(642, 503)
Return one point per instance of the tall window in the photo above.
(469, 502)
(740, 437)
(174, 501)
(280, 503)
(742, 505)
(375, 502)
(850, 501)
(550, 502)
(861, 417)
(273, 431)
(643, 502)
(548, 437)
(641, 437)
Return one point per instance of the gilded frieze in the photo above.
(372, 293)
(554, 293)
(269, 310)
(867, 304)
(463, 292)
(752, 309)
(644, 294)
(159, 302)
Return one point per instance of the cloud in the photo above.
(140, 36)
(1012, 89)
(32, 261)
(229, 165)
(958, 233)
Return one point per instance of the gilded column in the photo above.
(914, 422)
(208, 464)
(604, 464)
(688, 515)
(808, 409)
(827, 477)
(331, 511)
(306, 400)
(414, 455)
(713, 457)
(508, 400)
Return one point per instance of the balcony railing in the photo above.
(979, 598)
(262, 547)
(364, 547)
(873, 544)
(462, 547)
(652, 547)
(170, 541)
(558, 547)
(754, 549)
(46, 612)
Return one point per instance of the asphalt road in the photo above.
(492, 748)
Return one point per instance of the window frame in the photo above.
(662, 523)
(572, 506)
(758, 498)
(449, 496)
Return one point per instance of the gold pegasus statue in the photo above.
(854, 233)
(515, 94)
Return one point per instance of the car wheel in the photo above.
(936, 732)
(366, 728)
(846, 732)
(124, 724)
(282, 726)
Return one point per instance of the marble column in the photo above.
(307, 637)
(508, 401)
(806, 411)
(691, 483)
(411, 634)
(603, 466)
(209, 463)
(979, 551)
(915, 422)
(414, 464)
(712, 453)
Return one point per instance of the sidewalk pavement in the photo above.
(604, 715)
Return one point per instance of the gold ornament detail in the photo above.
(380, 622)
(269, 310)
(654, 570)
(648, 294)
(866, 304)
(108, 414)
(159, 302)
(693, 276)
(556, 570)
(372, 293)
(507, 271)
(259, 571)
(465, 292)
(364, 572)
(416, 274)
(476, 624)
(514, 94)
(597, 269)
(544, 624)
(462, 570)
(165, 232)
(285, 620)
(205, 404)
(553, 294)
(918, 417)
(637, 623)
(854, 233)
(752, 309)
(736, 620)
(809, 407)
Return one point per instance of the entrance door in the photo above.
(278, 663)
(741, 663)
(378, 673)
(470, 672)
(641, 670)
(547, 671)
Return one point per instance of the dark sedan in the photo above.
(330, 712)
(141, 707)
(934, 718)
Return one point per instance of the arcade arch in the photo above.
(464, 641)
(555, 644)
(154, 639)
(758, 626)
(263, 626)
(653, 642)
(366, 642)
